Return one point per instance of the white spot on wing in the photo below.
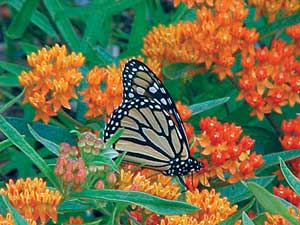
(131, 95)
(163, 101)
(140, 90)
(153, 90)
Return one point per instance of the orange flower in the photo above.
(32, 199)
(213, 209)
(75, 220)
(155, 184)
(270, 78)
(288, 194)
(228, 152)
(51, 82)
(213, 39)
(191, 3)
(280, 220)
(291, 140)
(271, 9)
(104, 91)
(8, 220)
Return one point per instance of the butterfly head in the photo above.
(180, 167)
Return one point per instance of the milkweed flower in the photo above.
(32, 199)
(271, 9)
(270, 78)
(291, 140)
(150, 182)
(213, 209)
(51, 82)
(273, 219)
(226, 151)
(8, 220)
(75, 220)
(185, 114)
(288, 194)
(213, 39)
(104, 91)
(191, 3)
(70, 167)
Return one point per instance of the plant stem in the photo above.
(71, 119)
(273, 124)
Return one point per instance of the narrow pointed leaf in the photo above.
(246, 220)
(271, 204)
(204, 106)
(51, 146)
(15, 137)
(153, 203)
(292, 180)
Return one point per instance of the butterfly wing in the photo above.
(150, 136)
(139, 80)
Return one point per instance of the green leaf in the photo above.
(18, 219)
(5, 144)
(99, 161)
(204, 106)
(176, 71)
(49, 132)
(9, 80)
(153, 203)
(28, 48)
(231, 220)
(51, 146)
(279, 24)
(290, 177)
(271, 204)
(139, 28)
(273, 159)
(246, 220)
(12, 68)
(22, 19)
(114, 137)
(109, 153)
(11, 102)
(105, 57)
(63, 24)
(38, 19)
(15, 137)
(238, 192)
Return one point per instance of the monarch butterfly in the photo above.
(153, 134)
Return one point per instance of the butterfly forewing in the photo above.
(139, 80)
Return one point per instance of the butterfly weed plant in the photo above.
(150, 112)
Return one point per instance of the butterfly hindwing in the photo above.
(150, 136)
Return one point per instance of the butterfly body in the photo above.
(153, 135)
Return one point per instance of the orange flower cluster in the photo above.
(227, 150)
(145, 181)
(104, 91)
(185, 114)
(213, 209)
(51, 82)
(32, 199)
(191, 3)
(294, 33)
(215, 38)
(8, 220)
(75, 220)
(291, 140)
(272, 8)
(288, 194)
(270, 78)
(151, 182)
(69, 167)
(280, 220)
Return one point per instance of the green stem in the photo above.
(71, 119)
(273, 124)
